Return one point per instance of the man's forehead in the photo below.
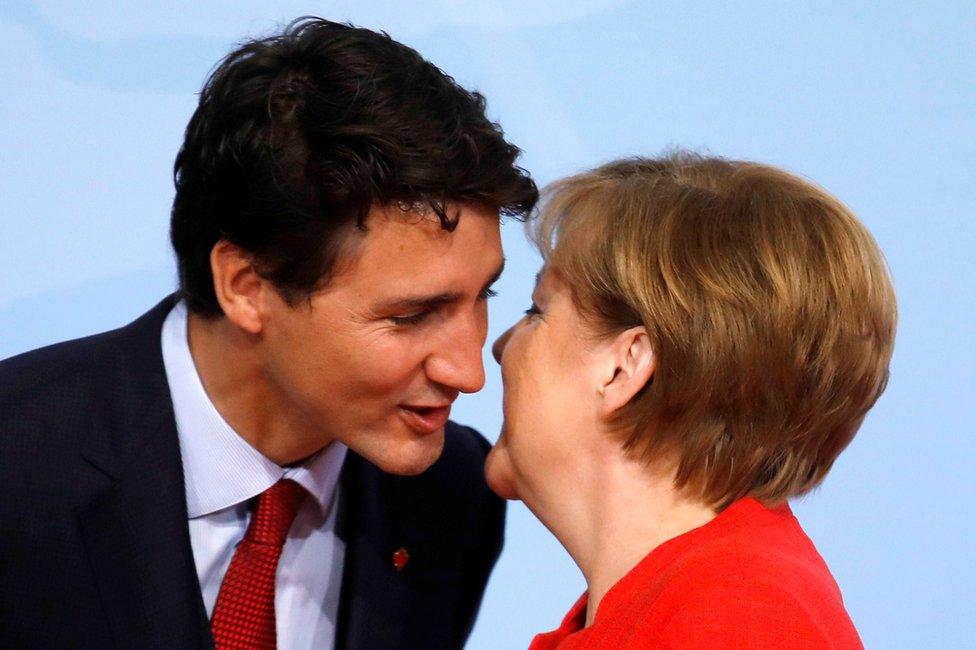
(398, 254)
(444, 290)
(389, 228)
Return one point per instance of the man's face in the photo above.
(376, 358)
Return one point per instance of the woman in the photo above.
(705, 338)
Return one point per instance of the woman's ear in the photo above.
(238, 286)
(630, 365)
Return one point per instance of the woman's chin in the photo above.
(498, 474)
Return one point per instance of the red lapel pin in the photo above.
(400, 558)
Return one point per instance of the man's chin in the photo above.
(409, 458)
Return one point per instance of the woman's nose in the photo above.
(499, 345)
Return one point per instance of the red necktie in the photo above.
(244, 616)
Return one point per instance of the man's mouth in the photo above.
(425, 418)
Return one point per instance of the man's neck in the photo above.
(234, 378)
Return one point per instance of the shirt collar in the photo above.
(220, 469)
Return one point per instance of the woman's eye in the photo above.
(413, 319)
(488, 293)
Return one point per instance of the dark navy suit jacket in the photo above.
(94, 543)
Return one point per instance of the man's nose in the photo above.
(457, 363)
(498, 347)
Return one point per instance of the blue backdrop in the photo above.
(875, 101)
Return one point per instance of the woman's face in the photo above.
(551, 404)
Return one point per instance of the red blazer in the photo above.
(750, 578)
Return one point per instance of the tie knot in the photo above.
(275, 510)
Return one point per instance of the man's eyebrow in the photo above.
(419, 302)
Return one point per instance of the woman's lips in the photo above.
(426, 419)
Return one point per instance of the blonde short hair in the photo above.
(768, 304)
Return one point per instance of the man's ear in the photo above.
(238, 286)
(630, 364)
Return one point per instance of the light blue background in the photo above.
(875, 101)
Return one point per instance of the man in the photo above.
(266, 457)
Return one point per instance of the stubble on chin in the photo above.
(408, 458)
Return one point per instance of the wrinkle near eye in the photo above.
(361, 318)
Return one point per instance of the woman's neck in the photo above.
(611, 514)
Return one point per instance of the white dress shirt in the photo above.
(222, 472)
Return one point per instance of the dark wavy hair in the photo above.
(298, 134)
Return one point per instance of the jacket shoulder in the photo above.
(58, 364)
(75, 364)
(51, 397)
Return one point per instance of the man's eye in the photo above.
(532, 311)
(413, 319)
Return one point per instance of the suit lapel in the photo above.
(375, 598)
(135, 527)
